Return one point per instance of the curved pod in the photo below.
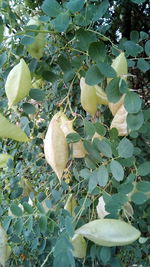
(109, 232)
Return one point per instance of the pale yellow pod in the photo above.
(101, 95)
(4, 247)
(10, 130)
(37, 47)
(115, 106)
(78, 150)
(55, 146)
(18, 83)
(79, 245)
(120, 65)
(88, 97)
(119, 121)
(101, 212)
(71, 204)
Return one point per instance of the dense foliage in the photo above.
(61, 42)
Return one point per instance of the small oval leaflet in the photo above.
(18, 83)
(109, 232)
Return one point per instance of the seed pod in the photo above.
(3, 159)
(119, 64)
(67, 128)
(18, 83)
(101, 208)
(88, 97)
(115, 106)
(71, 204)
(101, 95)
(10, 130)
(55, 146)
(4, 248)
(79, 245)
(119, 121)
(37, 47)
(109, 232)
(96, 135)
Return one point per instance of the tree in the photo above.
(74, 129)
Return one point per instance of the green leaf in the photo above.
(112, 90)
(132, 102)
(89, 128)
(51, 8)
(139, 198)
(3, 59)
(123, 87)
(17, 211)
(106, 70)
(10, 130)
(134, 36)
(143, 186)
(75, 5)
(135, 121)
(138, 1)
(61, 22)
(28, 108)
(43, 223)
(97, 51)
(105, 255)
(147, 48)
(103, 147)
(144, 168)
(84, 38)
(37, 94)
(143, 65)
(100, 129)
(125, 148)
(28, 208)
(102, 176)
(109, 232)
(93, 153)
(132, 49)
(73, 138)
(49, 76)
(117, 170)
(101, 10)
(93, 75)
(92, 182)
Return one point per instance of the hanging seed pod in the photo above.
(67, 128)
(10, 130)
(115, 106)
(71, 204)
(3, 159)
(119, 121)
(119, 64)
(4, 248)
(109, 232)
(37, 47)
(101, 96)
(79, 245)
(18, 83)
(88, 97)
(55, 146)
